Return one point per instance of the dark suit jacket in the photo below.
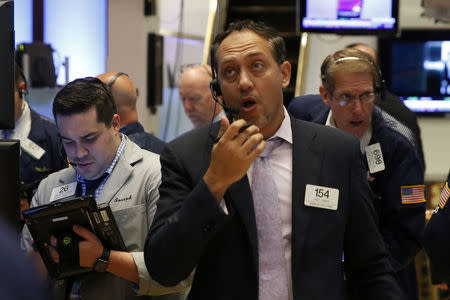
(19, 279)
(191, 231)
(395, 106)
(44, 133)
(436, 240)
(143, 139)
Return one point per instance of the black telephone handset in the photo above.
(229, 110)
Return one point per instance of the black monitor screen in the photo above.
(9, 181)
(416, 67)
(6, 64)
(349, 16)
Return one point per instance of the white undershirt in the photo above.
(22, 127)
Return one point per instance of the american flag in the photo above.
(413, 194)
(444, 196)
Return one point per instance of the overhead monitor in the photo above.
(416, 67)
(360, 17)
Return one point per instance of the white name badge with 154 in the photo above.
(63, 191)
(375, 159)
(321, 197)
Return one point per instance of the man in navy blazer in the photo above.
(40, 154)
(205, 220)
(395, 171)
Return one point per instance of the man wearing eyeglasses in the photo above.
(351, 82)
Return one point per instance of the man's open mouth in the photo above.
(356, 123)
(248, 102)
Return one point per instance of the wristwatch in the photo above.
(103, 261)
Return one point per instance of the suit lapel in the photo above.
(120, 174)
(307, 160)
(239, 201)
(240, 196)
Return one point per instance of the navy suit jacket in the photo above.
(437, 238)
(401, 225)
(392, 104)
(45, 134)
(143, 139)
(191, 231)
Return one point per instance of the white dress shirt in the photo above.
(22, 127)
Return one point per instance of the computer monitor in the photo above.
(6, 64)
(362, 17)
(9, 181)
(416, 67)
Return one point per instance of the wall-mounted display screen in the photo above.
(416, 67)
(349, 16)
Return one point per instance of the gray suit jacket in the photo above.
(132, 192)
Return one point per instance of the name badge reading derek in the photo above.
(321, 197)
(63, 191)
(375, 159)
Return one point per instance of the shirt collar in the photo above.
(22, 127)
(285, 130)
(119, 153)
(219, 116)
(330, 121)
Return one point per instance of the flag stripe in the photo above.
(443, 198)
(413, 194)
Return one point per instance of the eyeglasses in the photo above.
(347, 100)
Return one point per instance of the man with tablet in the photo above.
(109, 166)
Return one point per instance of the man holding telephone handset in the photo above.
(265, 212)
(109, 166)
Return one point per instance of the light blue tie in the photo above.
(271, 260)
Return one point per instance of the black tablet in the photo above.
(57, 218)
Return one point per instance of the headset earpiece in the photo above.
(62, 152)
(214, 84)
(114, 78)
(377, 88)
(22, 89)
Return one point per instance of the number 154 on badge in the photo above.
(321, 197)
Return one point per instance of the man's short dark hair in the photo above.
(266, 32)
(81, 94)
